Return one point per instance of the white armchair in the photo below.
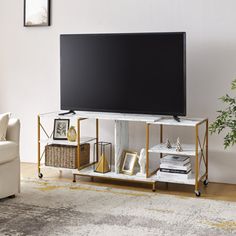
(10, 161)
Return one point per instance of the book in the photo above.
(176, 167)
(175, 171)
(175, 160)
(173, 176)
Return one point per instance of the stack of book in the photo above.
(175, 167)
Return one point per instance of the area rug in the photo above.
(47, 208)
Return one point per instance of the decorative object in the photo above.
(226, 119)
(65, 156)
(71, 134)
(102, 166)
(178, 146)
(36, 13)
(129, 162)
(105, 150)
(168, 144)
(61, 127)
(142, 161)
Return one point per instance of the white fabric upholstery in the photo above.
(4, 118)
(10, 161)
(8, 151)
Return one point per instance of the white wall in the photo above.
(29, 59)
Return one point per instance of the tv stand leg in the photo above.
(74, 178)
(176, 118)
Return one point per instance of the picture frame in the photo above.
(61, 127)
(37, 13)
(129, 161)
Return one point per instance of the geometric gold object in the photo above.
(71, 134)
(102, 166)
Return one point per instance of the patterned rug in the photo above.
(45, 208)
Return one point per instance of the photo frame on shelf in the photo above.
(129, 161)
(37, 13)
(61, 127)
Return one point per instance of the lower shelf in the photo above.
(189, 181)
(89, 171)
(56, 168)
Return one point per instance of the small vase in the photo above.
(71, 134)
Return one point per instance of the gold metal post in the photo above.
(161, 137)
(196, 161)
(147, 148)
(78, 144)
(39, 145)
(97, 138)
(207, 149)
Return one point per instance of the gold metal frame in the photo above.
(40, 155)
(203, 145)
(148, 175)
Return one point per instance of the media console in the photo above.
(198, 150)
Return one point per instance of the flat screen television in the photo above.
(141, 73)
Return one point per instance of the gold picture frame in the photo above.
(128, 163)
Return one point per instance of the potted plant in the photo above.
(226, 120)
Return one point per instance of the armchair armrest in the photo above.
(13, 130)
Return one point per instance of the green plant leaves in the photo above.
(226, 119)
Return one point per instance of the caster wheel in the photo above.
(74, 181)
(205, 182)
(154, 187)
(198, 193)
(40, 175)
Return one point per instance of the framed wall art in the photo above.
(37, 13)
(61, 127)
(129, 161)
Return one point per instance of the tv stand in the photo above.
(197, 150)
(67, 113)
(176, 118)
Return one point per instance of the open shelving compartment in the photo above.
(199, 151)
(45, 133)
(121, 143)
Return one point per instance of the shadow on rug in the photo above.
(45, 208)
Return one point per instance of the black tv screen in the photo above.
(142, 73)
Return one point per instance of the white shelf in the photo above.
(103, 116)
(183, 121)
(89, 171)
(189, 181)
(66, 142)
(42, 166)
(188, 150)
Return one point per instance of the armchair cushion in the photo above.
(8, 151)
(4, 119)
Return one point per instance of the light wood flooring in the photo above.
(216, 191)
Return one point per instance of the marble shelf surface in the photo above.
(103, 115)
(89, 171)
(66, 142)
(188, 149)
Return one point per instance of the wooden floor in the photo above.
(216, 191)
